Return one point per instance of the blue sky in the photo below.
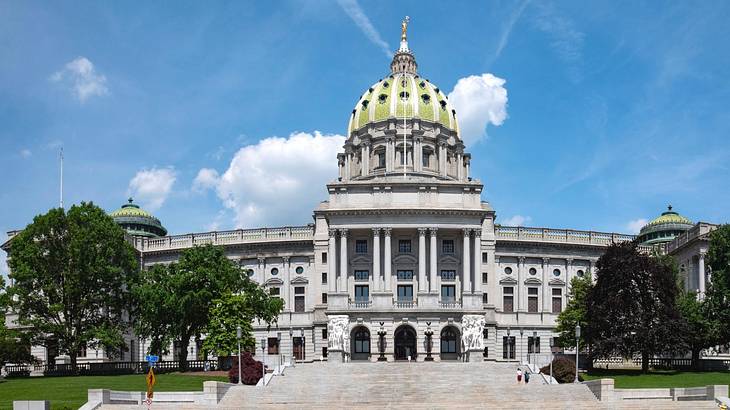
(614, 108)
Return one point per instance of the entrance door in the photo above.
(405, 343)
(360, 343)
(298, 348)
(450, 343)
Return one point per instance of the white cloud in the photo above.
(565, 39)
(479, 100)
(509, 24)
(82, 77)
(635, 225)
(152, 186)
(278, 180)
(207, 178)
(356, 13)
(25, 153)
(517, 220)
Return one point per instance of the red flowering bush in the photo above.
(251, 369)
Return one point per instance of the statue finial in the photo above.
(669, 207)
(130, 200)
(404, 28)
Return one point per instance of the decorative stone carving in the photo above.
(338, 335)
(472, 332)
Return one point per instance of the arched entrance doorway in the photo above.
(360, 341)
(450, 343)
(405, 343)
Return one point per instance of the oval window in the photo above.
(580, 273)
(250, 272)
(299, 270)
(274, 271)
(556, 272)
(533, 271)
(508, 270)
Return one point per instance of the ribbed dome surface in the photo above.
(138, 222)
(664, 228)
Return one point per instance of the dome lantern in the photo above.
(138, 222)
(664, 228)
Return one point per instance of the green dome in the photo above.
(138, 222)
(664, 228)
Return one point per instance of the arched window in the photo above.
(362, 340)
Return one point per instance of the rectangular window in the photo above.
(485, 257)
(447, 246)
(362, 293)
(324, 298)
(508, 347)
(299, 290)
(508, 306)
(362, 274)
(448, 274)
(448, 293)
(324, 257)
(324, 333)
(361, 246)
(404, 246)
(425, 157)
(381, 160)
(532, 300)
(533, 344)
(324, 352)
(274, 291)
(273, 345)
(485, 277)
(405, 293)
(324, 277)
(405, 275)
(298, 304)
(485, 298)
(557, 300)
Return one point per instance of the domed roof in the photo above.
(138, 222)
(664, 228)
(403, 95)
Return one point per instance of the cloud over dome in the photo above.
(479, 100)
(277, 181)
(152, 186)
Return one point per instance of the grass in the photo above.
(634, 379)
(71, 392)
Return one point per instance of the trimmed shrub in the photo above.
(250, 371)
(563, 370)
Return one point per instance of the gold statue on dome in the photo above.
(403, 28)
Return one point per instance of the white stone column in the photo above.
(332, 261)
(442, 159)
(701, 273)
(347, 166)
(459, 170)
(363, 161)
(387, 263)
(433, 270)
(288, 292)
(520, 284)
(262, 269)
(546, 298)
(422, 285)
(376, 258)
(466, 287)
(343, 261)
(477, 260)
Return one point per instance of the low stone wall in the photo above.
(604, 391)
(212, 394)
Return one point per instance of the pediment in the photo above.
(556, 282)
(508, 281)
(300, 280)
(449, 259)
(533, 281)
(360, 259)
(405, 259)
(273, 281)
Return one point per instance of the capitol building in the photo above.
(404, 247)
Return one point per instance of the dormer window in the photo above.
(365, 103)
(386, 85)
(443, 104)
(382, 98)
(426, 98)
(404, 95)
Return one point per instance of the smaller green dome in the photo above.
(138, 222)
(664, 228)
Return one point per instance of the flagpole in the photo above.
(61, 188)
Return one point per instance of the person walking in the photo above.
(527, 377)
(519, 375)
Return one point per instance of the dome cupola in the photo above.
(664, 228)
(138, 222)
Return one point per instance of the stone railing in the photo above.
(360, 304)
(529, 234)
(604, 391)
(405, 304)
(239, 236)
(450, 304)
(700, 229)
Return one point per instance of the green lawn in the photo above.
(633, 379)
(71, 392)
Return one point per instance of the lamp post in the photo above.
(429, 335)
(521, 333)
(577, 345)
(304, 344)
(238, 337)
(381, 344)
(552, 356)
(291, 338)
(263, 362)
(509, 342)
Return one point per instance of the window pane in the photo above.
(447, 246)
(532, 304)
(299, 304)
(557, 305)
(361, 246)
(362, 274)
(404, 246)
(448, 274)
(508, 304)
(405, 275)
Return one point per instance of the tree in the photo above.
(702, 326)
(718, 291)
(232, 310)
(575, 311)
(72, 273)
(632, 309)
(175, 301)
(14, 344)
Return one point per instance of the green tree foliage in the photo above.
(718, 291)
(702, 324)
(72, 271)
(563, 370)
(632, 309)
(14, 345)
(175, 301)
(575, 311)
